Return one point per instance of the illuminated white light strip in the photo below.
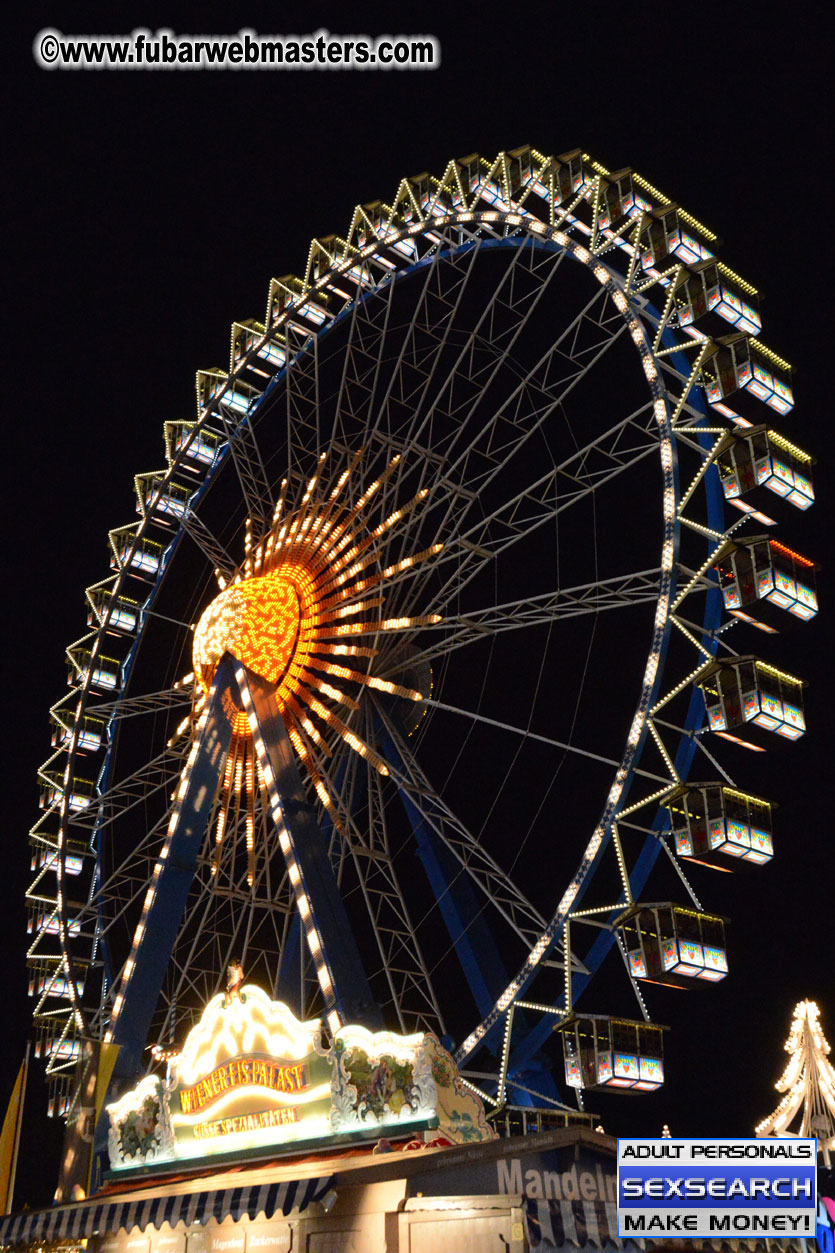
(385, 624)
(621, 863)
(706, 464)
(312, 935)
(702, 570)
(665, 700)
(700, 648)
(508, 1027)
(688, 387)
(250, 818)
(490, 1100)
(704, 530)
(368, 680)
(648, 800)
(566, 972)
(556, 1010)
(663, 751)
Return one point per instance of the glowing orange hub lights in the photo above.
(258, 621)
(299, 593)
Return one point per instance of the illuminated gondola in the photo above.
(169, 500)
(711, 823)
(761, 473)
(669, 236)
(612, 1053)
(710, 296)
(763, 581)
(673, 944)
(744, 371)
(749, 702)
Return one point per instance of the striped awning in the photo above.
(87, 1218)
(572, 1224)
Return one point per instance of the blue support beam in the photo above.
(289, 976)
(474, 944)
(463, 913)
(174, 874)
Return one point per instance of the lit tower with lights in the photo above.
(807, 1084)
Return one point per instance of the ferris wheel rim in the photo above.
(507, 218)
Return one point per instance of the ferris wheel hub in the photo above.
(258, 621)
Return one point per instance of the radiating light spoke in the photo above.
(298, 591)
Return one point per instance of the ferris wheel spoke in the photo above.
(464, 369)
(117, 902)
(344, 779)
(189, 988)
(356, 789)
(219, 926)
(459, 631)
(443, 288)
(467, 557)
(526, 733)
(461, 412)
(200, 922)
(369, 319)
(149, 703)
(518, 519)
(494, 884)
(416, 993)
(208, 543)
(133, 790)
(465, 442)
(132, 870)
(110, 906)
(249, 465)
(503, 433)
(469, 544)
(287, 980)
(443, 280)
(454, 555)
(301, 402)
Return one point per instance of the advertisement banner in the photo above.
(717, 1188)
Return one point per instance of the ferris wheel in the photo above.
(394, 689)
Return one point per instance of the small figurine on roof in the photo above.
(234, 982)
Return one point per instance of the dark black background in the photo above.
(146, 210)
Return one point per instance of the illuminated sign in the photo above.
(250, 1074)
(243, 1072)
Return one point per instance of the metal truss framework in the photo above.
(424, 406)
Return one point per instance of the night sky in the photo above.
(148, 210)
